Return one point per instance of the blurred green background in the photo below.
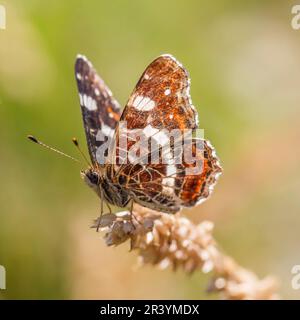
(243, 58)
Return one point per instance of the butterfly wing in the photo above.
(168, 187)
(100, 111)
(161, 100)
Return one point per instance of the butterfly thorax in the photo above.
(104, 187)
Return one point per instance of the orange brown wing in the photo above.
(161, 101)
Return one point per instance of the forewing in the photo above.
(161, 98)
(160, 101)
(100, 111)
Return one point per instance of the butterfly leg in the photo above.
(101, 213)
(132, 216)
(109, 208)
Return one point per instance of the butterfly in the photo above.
(160, 101)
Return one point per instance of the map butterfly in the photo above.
(160, 100)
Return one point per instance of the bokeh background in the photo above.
(243, 58)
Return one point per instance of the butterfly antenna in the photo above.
(76, 143)
(35, 140)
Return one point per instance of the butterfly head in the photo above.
(92, 178)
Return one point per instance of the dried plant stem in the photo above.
(172, 240)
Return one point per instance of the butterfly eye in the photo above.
(93, 177)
